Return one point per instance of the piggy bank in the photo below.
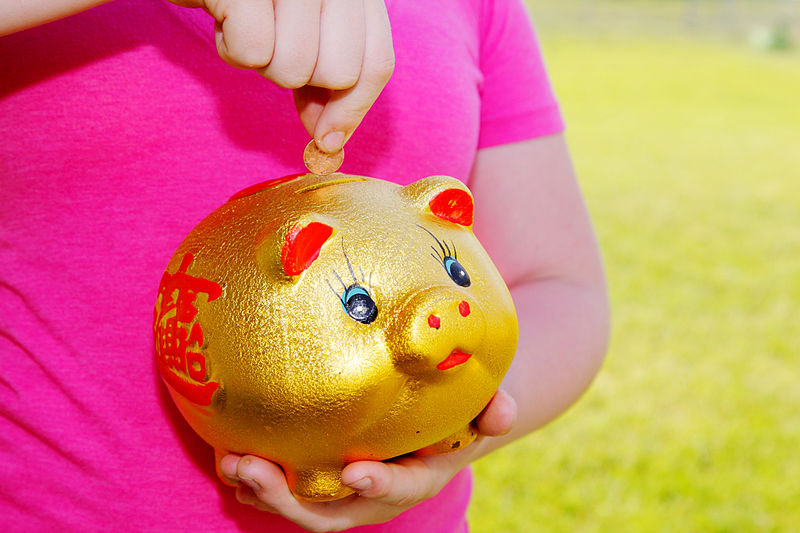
(319, 320)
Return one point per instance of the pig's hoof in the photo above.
(318, 485)
(453, 443)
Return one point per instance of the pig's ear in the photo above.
(302, 244)
(443, 197)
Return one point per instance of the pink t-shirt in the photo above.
(121, 129)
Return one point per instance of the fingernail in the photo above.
(361, 484)
(332, 142)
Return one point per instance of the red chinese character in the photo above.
(178, 337)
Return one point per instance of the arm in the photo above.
(531, 219)
(18, 15)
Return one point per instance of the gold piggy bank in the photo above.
(319, 320)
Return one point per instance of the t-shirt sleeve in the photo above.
(517, 99)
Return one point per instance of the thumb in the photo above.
(498, 417)
(311, 102)
(403, 483)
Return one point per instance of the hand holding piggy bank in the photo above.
(319, 320)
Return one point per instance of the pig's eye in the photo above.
(359, 304)
(356, 300)
(448, 258)
(456, 271)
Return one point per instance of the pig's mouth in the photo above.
(455, 358)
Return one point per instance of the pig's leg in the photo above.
(318, 483)
(453, 443)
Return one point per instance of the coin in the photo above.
(319, 162)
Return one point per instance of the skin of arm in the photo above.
(337, 55)
(531, 218)
(18, 15)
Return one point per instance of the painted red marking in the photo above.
(178, 336)
(302, 246)
(198, 393)
(463, 308)
(454, 205)
(258, 187)
(454, 359)
(434, 321)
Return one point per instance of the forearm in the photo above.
(551, 371)
(17, 15)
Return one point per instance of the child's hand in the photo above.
(384, 489)
(336, 54)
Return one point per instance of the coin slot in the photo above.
(317, 186)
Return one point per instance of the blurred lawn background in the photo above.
(685, 130)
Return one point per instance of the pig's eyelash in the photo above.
(356, 299)
(444, 248)
(344, 286)
(363, 282)
(349, 265)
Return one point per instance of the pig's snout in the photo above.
(436, 331)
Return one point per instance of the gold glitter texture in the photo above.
(309, 383)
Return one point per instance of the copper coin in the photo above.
(319, 162)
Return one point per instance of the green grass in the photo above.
(689, 155)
